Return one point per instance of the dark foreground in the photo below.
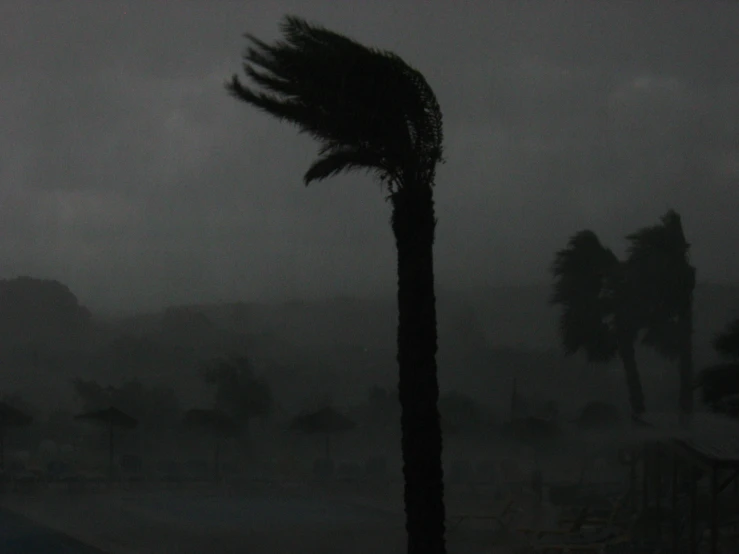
(19, 535)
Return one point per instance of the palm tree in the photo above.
(239, 393)
(726, 343)
(370, 110)
(664, 283)
(719, 383)
(599, 316)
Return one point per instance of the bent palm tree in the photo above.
(370, 110)
(665, 281)
(599, 316)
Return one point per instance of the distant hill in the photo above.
(508, 317)
(486, 336)
(340, 347)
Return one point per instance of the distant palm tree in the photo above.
(719, 383)
(370, 110)
(599, 316)
(726, 343)
(239, 393)
(664, 281)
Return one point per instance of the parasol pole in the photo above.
(110, 461)
(216, 458)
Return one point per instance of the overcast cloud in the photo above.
(129, 174)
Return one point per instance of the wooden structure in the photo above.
(682, 457)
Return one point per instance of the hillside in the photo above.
(506, 316)
(486, 336)
(340, 347)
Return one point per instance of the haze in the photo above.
(128, 174)
(178, 219)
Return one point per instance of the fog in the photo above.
(160, 254)
(129, 175)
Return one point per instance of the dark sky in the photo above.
(127, 172)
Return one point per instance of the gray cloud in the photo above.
(128, 173)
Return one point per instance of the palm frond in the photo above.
(339, 160)
(664, 281)
(347, 96)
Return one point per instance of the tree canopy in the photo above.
(368, 108)
(238, 391)
(40, 311)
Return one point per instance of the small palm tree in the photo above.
(664, 281)
(370, 110)
(726, 343)
(239, 393)
(719, 383)
(599, 316)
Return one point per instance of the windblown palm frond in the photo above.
(367, 107)
(584, 273)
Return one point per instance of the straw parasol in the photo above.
(111, 417)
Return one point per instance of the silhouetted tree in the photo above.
(37, 313)
(370, 110)
(719, 383)
(726, 343)
(21, 404)
(663, 284)
(238, 392)
(599, 315)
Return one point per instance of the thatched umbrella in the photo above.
(326, 421)
(10, 417)
(112, 417)
(216, 422)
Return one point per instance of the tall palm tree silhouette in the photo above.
(599, 315)
(370, 110)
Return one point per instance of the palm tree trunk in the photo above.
(633, 380)
(686, 364)
(110, 452)
(217, 460)
(413, 225)
(246, 437)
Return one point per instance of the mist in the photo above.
(198, 351)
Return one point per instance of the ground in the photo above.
(274, 519)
